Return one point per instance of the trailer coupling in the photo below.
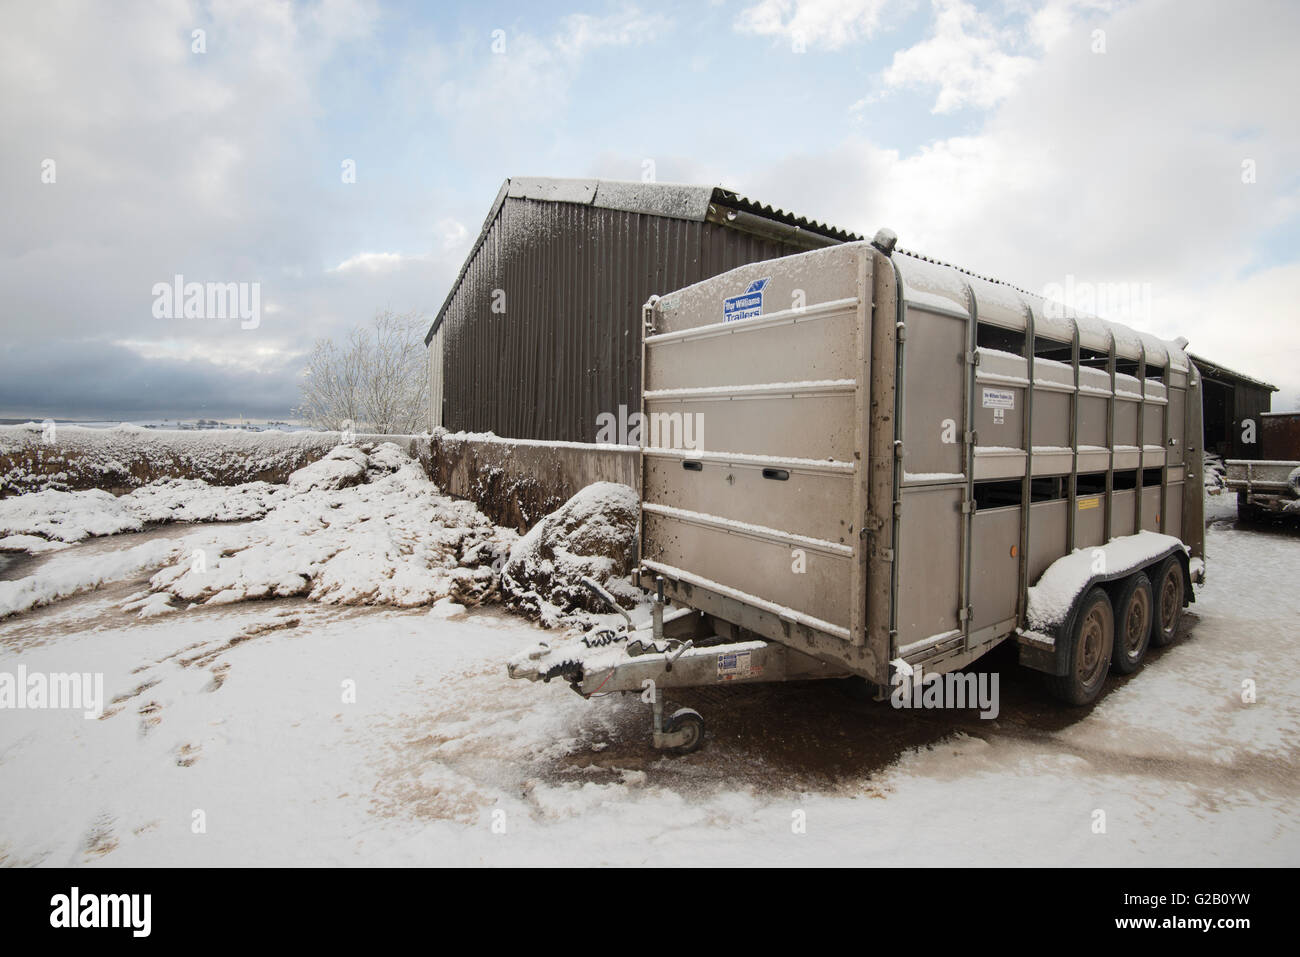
(646, 662)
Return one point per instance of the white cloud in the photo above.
(249, 355)
(1122, 167)
(965, 58)
(827, 24)
(380, 262)
(502, 87)
(581, 32)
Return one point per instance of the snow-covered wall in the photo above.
(515, 482)
(68, 457)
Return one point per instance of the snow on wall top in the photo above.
(32, 457)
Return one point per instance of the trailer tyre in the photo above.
(1169, 590)
(690, 721)
(1134, 609)
(1092, 639)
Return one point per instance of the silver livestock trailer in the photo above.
(860, 462)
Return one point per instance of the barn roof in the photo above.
(671, 200)
(1214, 370)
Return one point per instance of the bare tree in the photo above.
(375, 381)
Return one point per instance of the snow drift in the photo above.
(592, 534)
(363, 525)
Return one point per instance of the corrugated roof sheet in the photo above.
(1209, 367)
(670, 200)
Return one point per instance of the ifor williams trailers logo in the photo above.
(748, 304)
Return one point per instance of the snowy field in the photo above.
(358, 711)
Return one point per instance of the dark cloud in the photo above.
(96, 380)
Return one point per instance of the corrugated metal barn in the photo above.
(540, 332)
(1231, 398)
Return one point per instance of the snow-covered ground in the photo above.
(308, 730)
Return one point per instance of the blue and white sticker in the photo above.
(748, 304)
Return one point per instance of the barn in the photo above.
(539, 335)
(1234, 407)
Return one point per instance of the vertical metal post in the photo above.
(1139, 492)
(1027, 486)
(647, 328)
(896, 517)
(1110, 444)
(965, 613)
(1074, 439)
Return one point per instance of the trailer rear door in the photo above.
(756, 450)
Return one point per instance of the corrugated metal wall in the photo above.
(572, 280)
(1249, 402)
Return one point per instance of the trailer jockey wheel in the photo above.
(689, 724)
(1169, 587)
(1091, 638)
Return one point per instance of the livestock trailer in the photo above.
(897, 465)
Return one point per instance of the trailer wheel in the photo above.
(1169, 602)
(691, 722)
(1134, 609)
(1092, 638)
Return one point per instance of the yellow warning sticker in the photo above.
(1088, 503)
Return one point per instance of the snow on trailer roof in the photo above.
(670, 200)
(936, 285)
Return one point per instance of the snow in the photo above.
(592, 535)
(240, 714)
(344, 466)
(31, 544)
(70, 574)
(392, 540)
(352, 528)
(541, 443)
(1051, 598)
(40, 521)
(65, 457)
(309, 733)
(67, 516)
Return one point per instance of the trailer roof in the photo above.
(1003, 304)
(670, 200)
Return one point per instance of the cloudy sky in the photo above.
(1150, 146)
